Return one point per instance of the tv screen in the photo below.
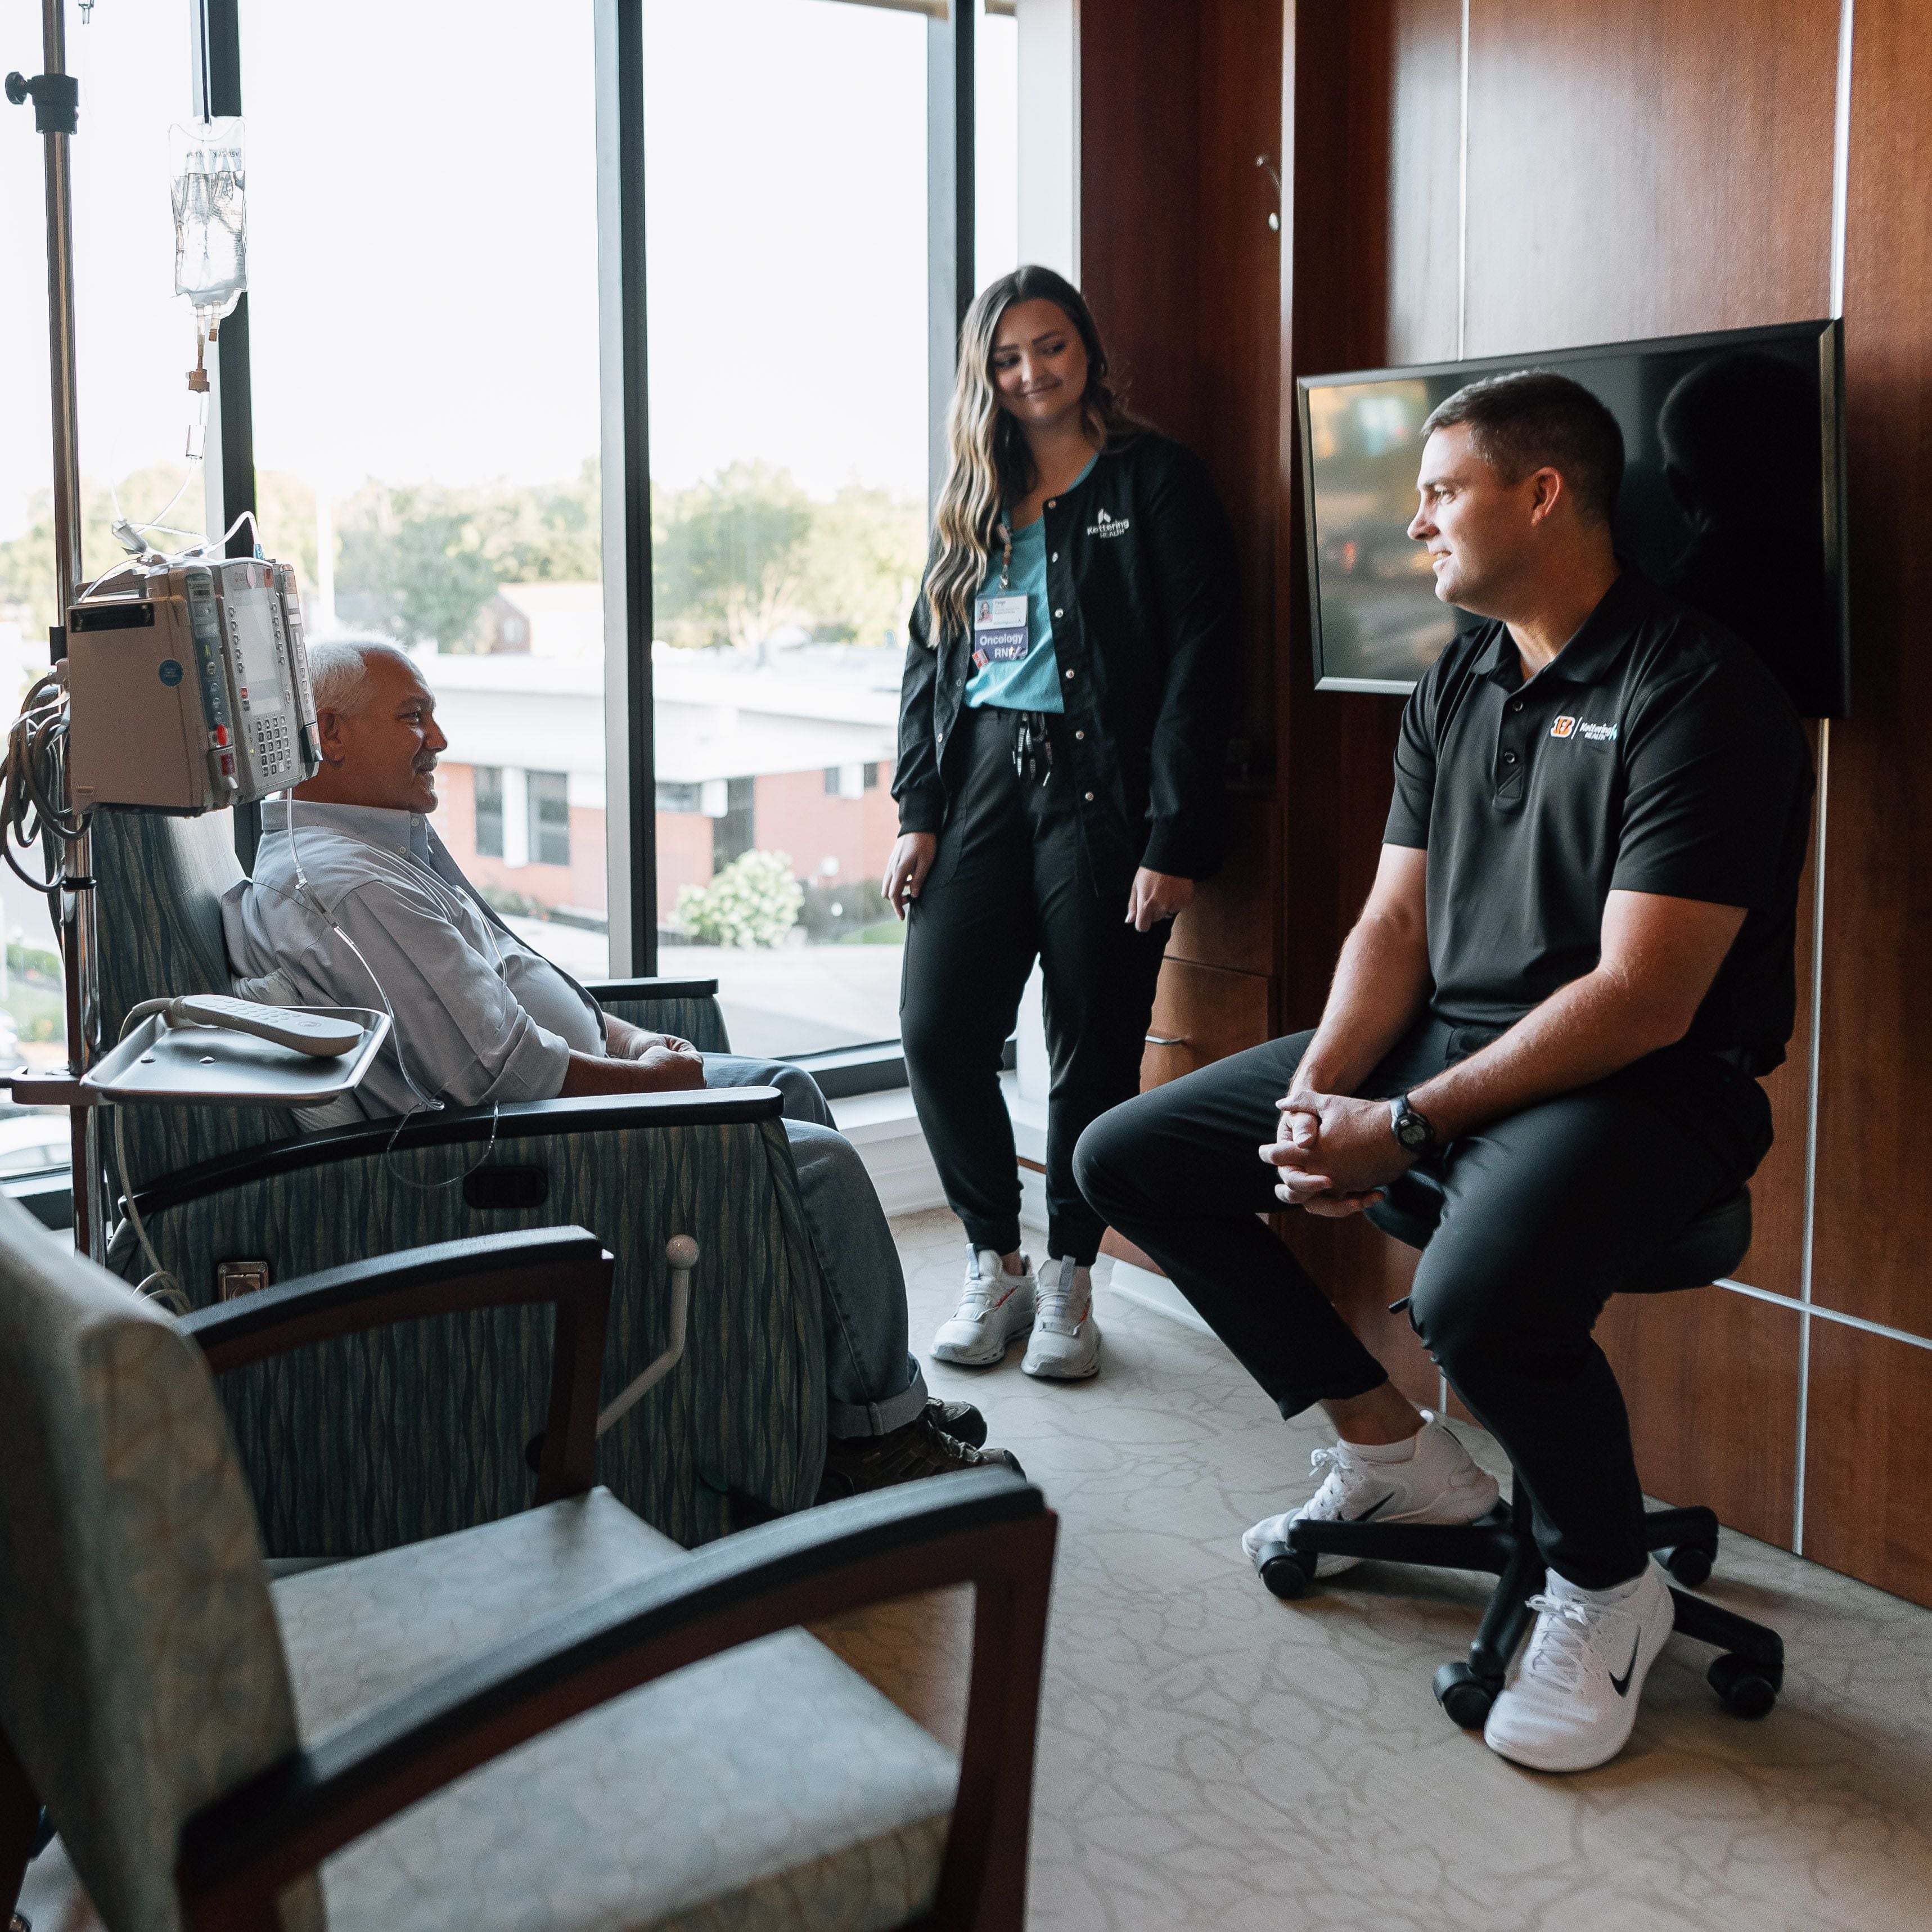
(1733, 499)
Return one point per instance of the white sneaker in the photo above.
(1574, 1700)
(997, 1307)
(1066, 1344)
(1440, 1483)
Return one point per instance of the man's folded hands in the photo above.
(1333, 1152)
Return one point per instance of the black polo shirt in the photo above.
(1653, 754)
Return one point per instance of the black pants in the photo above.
(1547, 1214)
(1011, 882)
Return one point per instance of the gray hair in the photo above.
(338, 672)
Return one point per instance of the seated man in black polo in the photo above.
(1576, 957)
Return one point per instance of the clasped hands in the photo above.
(1334, 1154)
(677, 1064)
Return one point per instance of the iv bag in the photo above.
(211, 217)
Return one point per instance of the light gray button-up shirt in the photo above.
(480, 1016)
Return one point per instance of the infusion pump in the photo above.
(191, 692)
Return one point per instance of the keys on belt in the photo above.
(1032, 748)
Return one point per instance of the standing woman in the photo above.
(1063, 731)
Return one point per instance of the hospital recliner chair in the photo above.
(384, 1438)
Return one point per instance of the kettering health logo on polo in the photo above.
(1569, 727)
(1110, 526)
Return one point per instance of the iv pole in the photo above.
(56, 95)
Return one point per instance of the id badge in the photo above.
(999, 629)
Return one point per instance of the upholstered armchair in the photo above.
(459, 1397)
(558, 1720)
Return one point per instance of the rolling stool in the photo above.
(1748, 1673)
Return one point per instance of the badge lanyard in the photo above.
(1032, 749)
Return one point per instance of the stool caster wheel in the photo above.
(1743, 1685)
(1464, 1696)
(1287, 1573)
(1690, 1564)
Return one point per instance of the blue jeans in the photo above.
(873, 1383)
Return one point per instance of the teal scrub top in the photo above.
(1030, 683)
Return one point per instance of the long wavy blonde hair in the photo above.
(991, 465)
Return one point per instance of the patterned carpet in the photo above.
(1212, 1758)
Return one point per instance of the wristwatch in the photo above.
(1413, 1133)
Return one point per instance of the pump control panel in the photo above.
(191, 692)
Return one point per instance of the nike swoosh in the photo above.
(1371, 1509)
(1621, 1685)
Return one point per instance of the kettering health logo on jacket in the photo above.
(1110, 526)
(1570, 727)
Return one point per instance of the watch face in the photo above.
(1412, 1130)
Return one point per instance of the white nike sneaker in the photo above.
(1574, 1700)
(1440, 1483)
(1066, 1344)
(996, 1307)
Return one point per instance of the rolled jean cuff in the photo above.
(880, 1418)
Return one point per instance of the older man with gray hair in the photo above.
(354, 901)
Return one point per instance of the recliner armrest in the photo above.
(658, 988)
(522, 1120)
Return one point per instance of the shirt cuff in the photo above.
(923, 810)
(534, 1068)
(1181, 850)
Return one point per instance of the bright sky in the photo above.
(422, 240)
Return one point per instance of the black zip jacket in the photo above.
(1141, 577)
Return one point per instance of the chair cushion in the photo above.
(768, 1787)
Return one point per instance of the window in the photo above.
(489, 783)
(549, 793)
(788, 512)
(426, 407)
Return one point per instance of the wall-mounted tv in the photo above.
(1733, 498)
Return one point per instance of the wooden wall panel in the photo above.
(1237, 331)
(1874, 1221)
(1738, 1455)
(1870, 1443)
(1334, 307)
(1207, 1013)
(1640, 167)
(1232, 921)
(1140, 66)
(1422, 272)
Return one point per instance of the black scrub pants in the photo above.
(1546, 1215)
(1010, 882)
